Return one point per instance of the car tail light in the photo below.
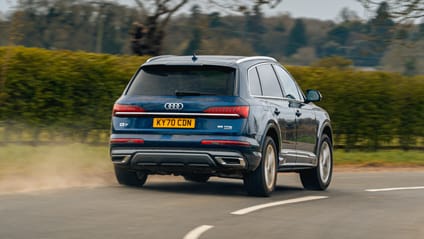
(241, 111)
(126, 141)
(225, 142)
(122, 109)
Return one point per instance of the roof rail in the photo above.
(157, 57)
(251, 58)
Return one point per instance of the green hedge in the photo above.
(63, 93)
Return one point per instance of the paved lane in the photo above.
(169, 207)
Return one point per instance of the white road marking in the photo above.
(196, 232)
(279, 203)
(394, 189)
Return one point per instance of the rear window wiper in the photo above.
(191, 93)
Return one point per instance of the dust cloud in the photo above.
(29, 169)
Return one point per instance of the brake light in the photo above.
(126, 141)
(225, 142)
(122, 109)
(242, 111)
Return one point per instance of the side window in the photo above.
(254, 84)
(289, 86)
(269, 81)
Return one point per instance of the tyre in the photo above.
(130, 178)
(319, 177)
(198, 178)
(261, 182)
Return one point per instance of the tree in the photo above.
(156, 21)
(347, 15)
(297, 38)
(255, 29)
(87, 25)
(214, 20)
(382, 24)
(339, 34)
(194, 44)
(380, 32)
(421, 31)
(400, 10)
(158, 13)
(364, 43)
(335, 43)
(331, 48)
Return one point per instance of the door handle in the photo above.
(298, 113)
(276, 111)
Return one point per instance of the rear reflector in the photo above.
(120, 110)
(126, 141)
(225, 142)
(242, 111)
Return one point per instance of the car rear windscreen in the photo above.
(183, 80)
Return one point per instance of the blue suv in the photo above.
(225, 116)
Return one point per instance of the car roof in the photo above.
(220, 60)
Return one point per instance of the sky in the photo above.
(320, 9)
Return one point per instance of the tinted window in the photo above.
(269, 81)
(289, 86)
(254, 84)
(167, 80)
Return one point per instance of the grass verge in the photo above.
(385, 158)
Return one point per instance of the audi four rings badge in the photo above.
(174, 106)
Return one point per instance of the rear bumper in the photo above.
(231, 163)
(185, 154)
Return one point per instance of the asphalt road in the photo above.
(169, 207)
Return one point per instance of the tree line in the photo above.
(154, 27)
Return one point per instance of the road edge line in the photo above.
(278, 203)
(197, 232)
(393, 189)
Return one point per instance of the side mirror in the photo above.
(313, 96)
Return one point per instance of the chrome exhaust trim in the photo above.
(231, 161)
(121, 159)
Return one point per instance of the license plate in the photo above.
(174, 123)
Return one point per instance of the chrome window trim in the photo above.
(268, 97)
(276, 98)
(157, 57)
(250, 58)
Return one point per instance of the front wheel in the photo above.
(319, 177)
(261, 182)
(130, 178)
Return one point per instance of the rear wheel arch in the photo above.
(272, 131)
